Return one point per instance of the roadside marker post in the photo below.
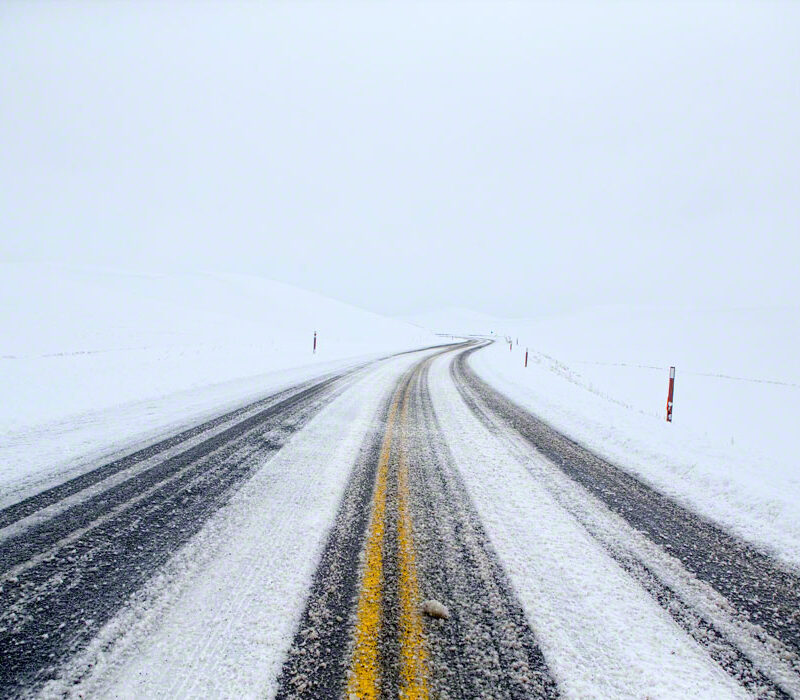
(315, 343)
(526, 357)
(671, 393)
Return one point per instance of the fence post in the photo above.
(671, 394)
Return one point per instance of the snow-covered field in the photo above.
(601, 376)
(92, 359)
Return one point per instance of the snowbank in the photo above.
(730, 454)
(91, 357)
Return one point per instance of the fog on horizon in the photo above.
(512, 158)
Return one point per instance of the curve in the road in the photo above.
(751, 629)
(363, 633)
(407, 529)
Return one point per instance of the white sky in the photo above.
(515, 158)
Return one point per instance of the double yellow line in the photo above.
(364, 680)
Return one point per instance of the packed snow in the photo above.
(601, 376)
(602, 635)
(93, 359)
(218, 619)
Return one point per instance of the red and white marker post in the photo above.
(671, 393)
(315, 343)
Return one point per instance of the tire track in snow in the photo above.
(82, 483)
(63, 578)
(317, 659)
(50, 501)
(485, 647)
(732, 599)
(217, 619)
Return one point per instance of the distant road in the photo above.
(453, 545)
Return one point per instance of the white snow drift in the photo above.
(601, 376)
(91, 358)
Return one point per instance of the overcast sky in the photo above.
(515, 158)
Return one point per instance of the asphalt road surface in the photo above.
(552, 571)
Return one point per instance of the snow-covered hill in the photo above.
(81, 349)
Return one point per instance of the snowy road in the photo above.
(285, 549)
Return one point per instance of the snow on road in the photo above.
(93, 361)
(601, 633)
(217, 622)
(231, 518)
(549, 584)
(748, 493)
(600, 376)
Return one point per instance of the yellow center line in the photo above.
(413, 653)
(364, 680)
